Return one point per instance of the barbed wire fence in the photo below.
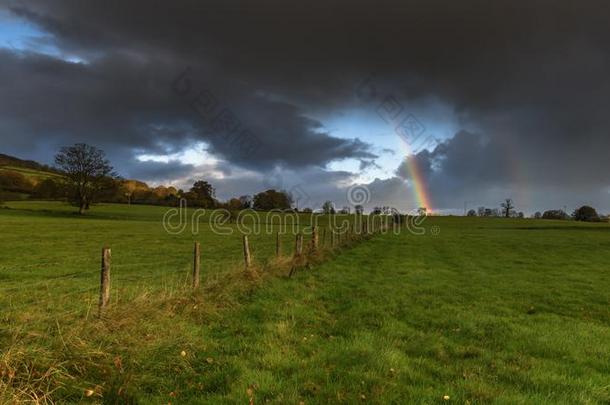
(56, 297)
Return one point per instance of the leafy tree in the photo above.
(271, 199)
(586, 214)
(377, 211)
(472, 213)
(110, 190)
(358, 209)
(202, 194)
(397, 218)
(233, 204)
(49, 189)
(538, 215)
(133, 191)
(488, 212)
(422, 211)
(307, 210)
(85, 168)
(345, 210)
(328, 207)
(246, 201)
(554, 214)
(507, 207)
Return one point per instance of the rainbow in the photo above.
(419, 183)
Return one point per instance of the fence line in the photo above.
(301, 257)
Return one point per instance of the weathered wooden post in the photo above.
(298, 251)
(247, 256)
(105, 279)
(278, 249)
(323, 237)
(196, 265)
(314, 239)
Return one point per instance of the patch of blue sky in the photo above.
(19, 35)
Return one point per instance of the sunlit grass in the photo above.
(513, 311)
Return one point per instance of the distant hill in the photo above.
(25, 179)
(19, 178)
(31, 167)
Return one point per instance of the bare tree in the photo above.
(86, 169)
(507, 207)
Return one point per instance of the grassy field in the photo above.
(487, 310)
(36, 175)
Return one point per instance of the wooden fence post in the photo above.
(299, 245)
(196, 265)
(278, 249)
(298, 251)
(324, 237)
(314, 239)
(105, 279)
(247, 256)
(332, 239)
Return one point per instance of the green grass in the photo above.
(489, 310)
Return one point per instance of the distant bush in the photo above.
(49, 189)
(472, 213)
(555, 214)
(586, 214)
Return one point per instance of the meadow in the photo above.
(478, 311)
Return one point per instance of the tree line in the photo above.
(507, 210)
(83, 176)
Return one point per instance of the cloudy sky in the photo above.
(440, 102)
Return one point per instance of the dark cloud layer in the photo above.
(528, 81)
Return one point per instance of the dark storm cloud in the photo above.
(528, 80)
(121, 101)
(157, 171)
